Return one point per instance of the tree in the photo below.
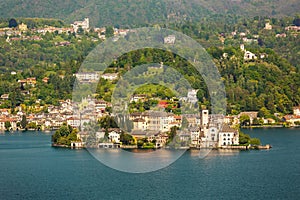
(108, 122)
(244, 120)
(243, 138)
(31, 125)
(257, 121)
(12, 23)
(184, 123)
(254, 141)
(126, 138)
(7, 125)
(109, 32)
(296, 21)
(23, 121)
(56, 136)
(80, 30)
(64, 130)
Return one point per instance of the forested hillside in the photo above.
(139, 12)
(268, 83)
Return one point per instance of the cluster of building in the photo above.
(294, 119)
(56, 116)
(17, 34)
(92, 77)
(202, 130)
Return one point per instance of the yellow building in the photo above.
(22, 27)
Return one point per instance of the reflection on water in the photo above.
(140, 150)
(133, 162)
(213, 152)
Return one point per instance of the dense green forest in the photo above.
(139, 12)
(269, 85)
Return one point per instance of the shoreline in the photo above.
(269, 126)
(240, 147)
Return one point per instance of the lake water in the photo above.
(31, 169)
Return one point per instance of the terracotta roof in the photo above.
(227, 129)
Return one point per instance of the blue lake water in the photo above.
(31, 169)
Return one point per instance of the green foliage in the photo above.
(7, 125)
(140, 143)
(64, 135)
(172, 134)
(24, 121)
(109, 32)
(108, 122)
(245, 120)
(12, 23)
(31, 125)
(140, 12)
(255, 141)
(266, 85)
(257, 121)
(126, 139)
(244, 139)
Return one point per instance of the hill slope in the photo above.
(137, 12)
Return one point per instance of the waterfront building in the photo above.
(114, 137)
(228, 136)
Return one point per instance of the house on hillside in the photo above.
(268, 26)
(249, 56)
(296, 110)
(110, 76)
(87, 76)
(85, 25)
(22, 27)
(170, 39)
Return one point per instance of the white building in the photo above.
(154, 121)
(195, 136)
(100, 105)
(249, 56)
(87, 76)
(204, 118)
(114, 137)
(228, 136)
(85, 24)
(76, 122)
(268, 26)
(110, 76)
(296, 110)
(138, 97)
(170, 39)
(192, 96)
(140, 124)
